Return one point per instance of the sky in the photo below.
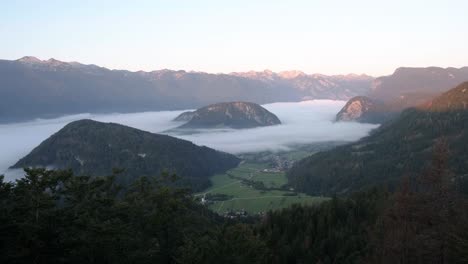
(330, 37)
(302, 123)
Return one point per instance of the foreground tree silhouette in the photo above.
(423, 224)
(57, 217)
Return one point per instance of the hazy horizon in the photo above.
(331, 38)
(229, 73)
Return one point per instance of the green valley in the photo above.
(259, 183)
(240, 192)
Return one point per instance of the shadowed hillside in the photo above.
(400, 147)
(94, 148)
(406, 87)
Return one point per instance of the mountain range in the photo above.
(399, 147)
(406, 87)
(413, 86)
(34, 88)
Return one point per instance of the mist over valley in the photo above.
(302, 123)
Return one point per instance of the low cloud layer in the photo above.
(303, 122)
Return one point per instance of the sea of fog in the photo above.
(302, 123)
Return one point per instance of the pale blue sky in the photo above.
(330, 37)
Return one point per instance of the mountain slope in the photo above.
(410, 87)
(90, 147)
(363, 109)
(232, 115)
(32, 88)
(400, 147)
(185, 116)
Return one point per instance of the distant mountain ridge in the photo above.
(406, 87)
(95, 148)
(315, 86)
(406, 83)
(231, 115)
(33, 88)
(400, 147)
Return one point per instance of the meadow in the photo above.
(244, 196)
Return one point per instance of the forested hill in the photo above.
(400, 147)
(95, 148)
(232, 114)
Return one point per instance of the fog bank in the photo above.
(303, 122)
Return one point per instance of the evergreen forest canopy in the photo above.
(57, 217)
(95, 148)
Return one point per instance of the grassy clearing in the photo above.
(263, 203)
(297, 155)
(247, 198)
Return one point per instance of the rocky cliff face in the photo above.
(185, 116)
(355, 108)
(232, 115)
(363, 109)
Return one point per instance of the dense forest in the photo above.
(57, 217)
(423, 221)
(95, 148)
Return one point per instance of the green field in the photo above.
(245, 197)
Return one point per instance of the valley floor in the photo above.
(255, 187)
(259, 183)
